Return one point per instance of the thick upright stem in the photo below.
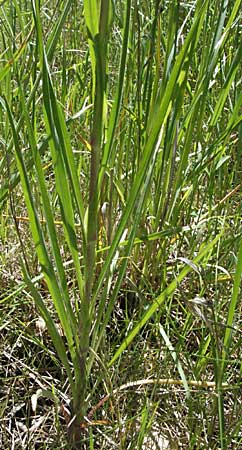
(99, 43)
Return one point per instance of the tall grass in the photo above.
(127, 155)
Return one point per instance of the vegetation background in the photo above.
(120, 203)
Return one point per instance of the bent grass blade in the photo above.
(161, 299)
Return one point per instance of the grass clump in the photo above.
(120, 227)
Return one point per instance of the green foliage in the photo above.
(121, 128)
